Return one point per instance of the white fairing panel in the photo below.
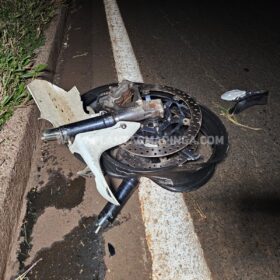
(56, 105)
(61, 107)
(91, 145)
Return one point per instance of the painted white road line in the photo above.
(125, 60)
(175, 249)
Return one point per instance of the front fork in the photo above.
(110, 211)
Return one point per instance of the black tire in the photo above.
(90, 96)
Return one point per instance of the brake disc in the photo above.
(160, 142)
(175, 159)
(152, 152)
(163, 137)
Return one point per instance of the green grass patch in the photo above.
(22, 23)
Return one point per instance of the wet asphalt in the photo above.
(79, 256)
(74, 253)
(204, 49)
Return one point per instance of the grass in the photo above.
(233, 119)
(22, 23)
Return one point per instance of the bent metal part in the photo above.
(142, 121)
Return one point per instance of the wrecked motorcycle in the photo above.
(129, 130)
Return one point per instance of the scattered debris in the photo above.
(79, 55)
(198, 208)
(111, 250)
(23, 275)
(245, 99)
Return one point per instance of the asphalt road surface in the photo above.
(204, 49)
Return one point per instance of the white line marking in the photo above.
(175, 249)
(125, 60)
